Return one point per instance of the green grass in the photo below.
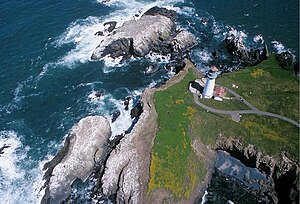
(174, 165)
(269, 135)
(225, 104)
(268, 87)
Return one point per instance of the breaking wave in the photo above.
(19, 181)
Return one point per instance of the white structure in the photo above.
(210, 82)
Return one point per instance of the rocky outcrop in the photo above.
(111, 25)
(287, 61)
(183, 41)
(155, 31)
(85, 144)
(246, 56)
(284, 172)
(2, 148)
(126, 170)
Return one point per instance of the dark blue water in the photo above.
(48, 82)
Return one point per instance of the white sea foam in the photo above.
(239, 35)
(258, 39)
(278, 46)
(81, 33)
(204, 55)
(155, 57)
(124, 121)
(105, 104)
(204, 199)
(17, 184)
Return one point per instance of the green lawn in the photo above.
(225, 104)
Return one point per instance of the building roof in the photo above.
(219, 91)
(214, 68)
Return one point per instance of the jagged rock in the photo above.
(121, 176)
(184, 40)
(127, 167)
(2, 148)
(99, 33)
(126, 103)
(287, 61)
(296, 69)
(161, 11)
(115, 115)
(175, 65)
(283, 172)
(154, 31)
(111, 25)
(142, 35)
(137, 110)
(236, 47)
(76, 159)
(100, 93)
(151, 69)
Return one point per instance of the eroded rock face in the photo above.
(76, 159)
(127, 168)
(154, 31)
(284, 172)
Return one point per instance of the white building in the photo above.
(210, 82)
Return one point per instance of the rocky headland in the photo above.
(120, 169)
(124, 171)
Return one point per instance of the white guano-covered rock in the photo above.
(185, 40)
(136, 37)
(89, 136)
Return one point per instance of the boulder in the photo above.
(115, 115)
(2, 148)
(137, 110)
(184, 40)
(111, 25)
(76, 159)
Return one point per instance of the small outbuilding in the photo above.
(219, 93)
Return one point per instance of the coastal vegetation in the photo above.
(174, 165)
(268, 87)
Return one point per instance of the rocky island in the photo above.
(169, 155)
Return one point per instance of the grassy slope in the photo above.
(267, 87)
(175, 167)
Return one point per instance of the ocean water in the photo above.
(48, 82)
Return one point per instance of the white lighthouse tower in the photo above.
(210, 82)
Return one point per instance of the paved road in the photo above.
(241, 98)
(236, 114)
